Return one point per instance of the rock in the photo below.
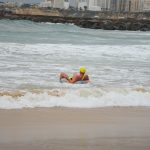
(145, 29)
(92, 23)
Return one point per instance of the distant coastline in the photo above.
(86, 19)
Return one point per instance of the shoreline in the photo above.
(117, 128)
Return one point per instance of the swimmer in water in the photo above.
(81, 76)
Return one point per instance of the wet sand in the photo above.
(75, 129)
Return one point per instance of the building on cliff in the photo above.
(127, 5)
(82, 5)
(119, 5)
(146, 5)
(46, 3)
(104, 4)
(73, 3)
(136, 6)
(100, 5)
(92, 5)
(62, 4)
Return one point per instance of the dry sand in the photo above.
(75, 129)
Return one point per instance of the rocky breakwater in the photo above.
(115, 24)
(92, 23)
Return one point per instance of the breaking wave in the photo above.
(75, 98)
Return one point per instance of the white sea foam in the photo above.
(25, 64)
(79, 98)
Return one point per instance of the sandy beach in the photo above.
(75, 129)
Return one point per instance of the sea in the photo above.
(32, 55)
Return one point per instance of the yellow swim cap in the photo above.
(82, 69)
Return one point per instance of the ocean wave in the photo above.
(75, 98)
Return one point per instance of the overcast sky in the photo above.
(22, 1)
(30, 1)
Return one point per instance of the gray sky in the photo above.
(22, 1)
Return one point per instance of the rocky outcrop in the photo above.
(119, 24)
(92, 23)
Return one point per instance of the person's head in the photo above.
(82, 69)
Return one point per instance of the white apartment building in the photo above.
(62, 4)
(100, 5)
(126, 5)
(146, 5)
(46, 3)
(58, 4)
(82, 4)
(94, 5)
(66, 4)
(136, 5)
(73, 3)
(104, 4)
